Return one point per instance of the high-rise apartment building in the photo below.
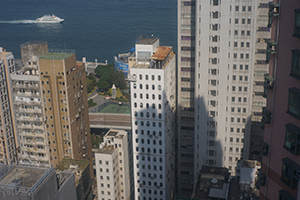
(281, 148)
(216, 65)
(8, 143)
(112, 166)
(28, 107)
(153, 106)
(50, 107)
(64, 97)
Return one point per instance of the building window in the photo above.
(289, 172)
(294, 103)
(215, 27)
(215, 2)
(297, 24)
(292, 139)
(215, 14)
(295, 72)
(215, 38)
(284, 195)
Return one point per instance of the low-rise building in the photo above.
(83, 181)
(34, 183)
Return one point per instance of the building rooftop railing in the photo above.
(62, 51)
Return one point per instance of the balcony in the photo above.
(33, 119)
(26, 86)
(28, 110)
(273, 12)
(17, 102)
(39, 127)
(26, 94)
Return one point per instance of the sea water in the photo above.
(96, 29)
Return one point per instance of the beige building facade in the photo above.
(65, 107)
(112, 166)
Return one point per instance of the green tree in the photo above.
(90, 84)
(108, 76)
(103, 84)
(91, 103)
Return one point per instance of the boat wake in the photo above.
(18, 22)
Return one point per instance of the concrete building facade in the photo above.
(64, 97)
(280, 174)
(28, 107)
(216, 65)
(112, 167)
(153, 106)
(8, 141)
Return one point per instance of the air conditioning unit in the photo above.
(273, 48)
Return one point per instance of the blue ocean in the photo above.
(96, 29)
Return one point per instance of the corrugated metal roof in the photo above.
(161, 53)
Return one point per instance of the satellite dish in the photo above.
(214, 180)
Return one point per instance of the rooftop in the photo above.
(64, 165)
(112, 133)
(161, 53)
(27, 176)
(56, 56)
(106, 150)
(74, 166)
(147, 41)
(212, 182)
(249, 163)
(23, 179)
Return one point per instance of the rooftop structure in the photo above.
(33, 48)
(212, 182)
(147, 41)
(247, 171)
(161, 53)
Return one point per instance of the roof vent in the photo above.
(214, 180)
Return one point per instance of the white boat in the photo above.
(49, 19)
